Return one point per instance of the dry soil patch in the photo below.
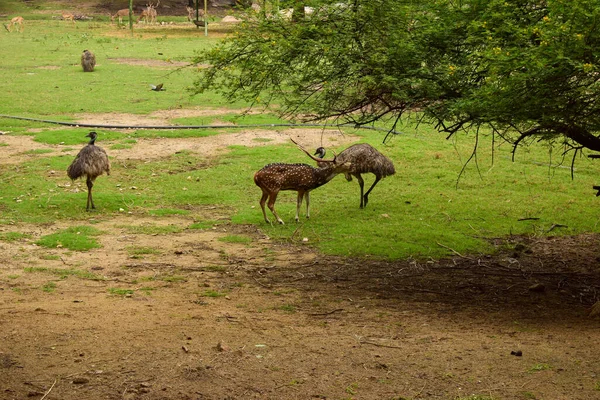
(195, 315)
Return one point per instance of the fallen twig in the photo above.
(556, 226)
(454, 251)
(379, 344)
(257, 281)
(49, 390)
(327, 313)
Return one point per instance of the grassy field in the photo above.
(425, 210)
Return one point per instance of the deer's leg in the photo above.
(263, 200)
(271, 205)
(90, 200)
(361, 183)
(377, 179)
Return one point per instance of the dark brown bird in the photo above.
(88, 61)
(299, 177)
(364, 159)
(91, 162)
(157, 88)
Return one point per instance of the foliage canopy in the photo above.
(527, 69)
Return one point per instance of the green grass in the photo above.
(540, 367)
(202, 225)
(64, 273)
(167, 211)
(49, 287)
(288, 308)
(38, 151)
(13, 236)
(120, 292)
(419, 212)
(174, 278)
(212, 293)
(140, 251)
(78, 238)
(152, 229)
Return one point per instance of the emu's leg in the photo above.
(90, 200)
(263, 200)
(377, 179)
(361, 182)
(301, 195)
(307, 197)
(271, 205)
(298, 204)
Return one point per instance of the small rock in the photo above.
(222, 346)
(80, 381)
(517, 353)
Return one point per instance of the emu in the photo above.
(88, 61)
(299, 177)
(91, 162)
(364, 158)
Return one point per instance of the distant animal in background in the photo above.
(68, 17)
(88, 61)
(13, 22)
(143, 15)
(152, 14)
(157, 88)
(192, 13)
(365, 159)
(299, 177)
(91, 162)
(119, 15)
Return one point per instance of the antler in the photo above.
(311, 156)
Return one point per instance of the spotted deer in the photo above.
(68, 17)
(143, 16)
(192, 13)
(302, 178)
(119, 15)
(151, 11)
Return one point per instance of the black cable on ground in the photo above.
(83, 125)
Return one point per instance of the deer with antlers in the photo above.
(303, 178)
(151, 11)
(192, 13)
(15, 21)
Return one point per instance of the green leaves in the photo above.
(515, 66)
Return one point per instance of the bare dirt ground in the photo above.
(203, 318)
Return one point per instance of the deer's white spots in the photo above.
(299, 177)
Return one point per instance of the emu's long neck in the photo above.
(92, 141)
